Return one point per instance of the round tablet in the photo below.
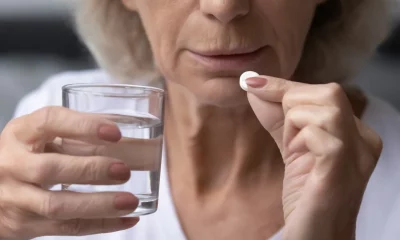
(244, 76)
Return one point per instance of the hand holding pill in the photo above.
(328, 153)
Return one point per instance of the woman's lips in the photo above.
(236, 60)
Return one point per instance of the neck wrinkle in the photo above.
(216, 149)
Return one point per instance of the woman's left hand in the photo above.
(329, 155)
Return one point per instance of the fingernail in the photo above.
(129, 222)
(109, 133)
(126, 201)
(244, 76)
(256, 82)
(119, 171)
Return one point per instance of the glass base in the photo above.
(147, 204)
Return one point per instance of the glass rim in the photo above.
(82, 88)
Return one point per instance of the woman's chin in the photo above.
(224, 92)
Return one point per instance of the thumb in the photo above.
(271, 117)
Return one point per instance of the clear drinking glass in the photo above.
(138, 112)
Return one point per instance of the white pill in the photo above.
(244, 77)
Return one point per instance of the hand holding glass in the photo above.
(138, 112)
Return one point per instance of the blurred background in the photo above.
(37, 40)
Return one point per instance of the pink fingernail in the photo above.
(119, 171)
(129, 222)
(256, 82)
(109, 133)
(125, 201)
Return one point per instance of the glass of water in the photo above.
(138, 112)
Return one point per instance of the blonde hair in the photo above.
(344, 33)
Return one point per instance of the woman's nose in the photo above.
(225, 11)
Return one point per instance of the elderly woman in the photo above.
(294, 157)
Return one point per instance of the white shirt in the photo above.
(379, 217)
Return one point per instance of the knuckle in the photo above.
(12, 224)
(332, 145)
(376, 141)
(368, 159)
(10, 161)
(51, 207)
(379, 145)
(89, 124)
(73, 227)
(85, 126)
(307, 132)
(334, 90)
(277, 90)
(13, 227)
(98, 150)
(291, 115)
(11, 128)
(287, 99)
(281, 86)
(372, 141)
(92, 168)
(85, 123)
(45, 116)
(335, 146)
(40, 173)
(334, 115)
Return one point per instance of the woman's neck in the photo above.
(216, 149)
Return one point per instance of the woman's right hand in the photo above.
(28, 209)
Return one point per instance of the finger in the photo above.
(29, 226)
(64, 205)
(48, 123)
(331, 94)
(53, 168)
(328, 118)
(370, 137)
(148, 151)
(83, 227)
(325, 147)
(272, 120)
(271, 89)
(314, 139)
(74, 147)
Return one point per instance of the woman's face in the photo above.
(204, 45)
